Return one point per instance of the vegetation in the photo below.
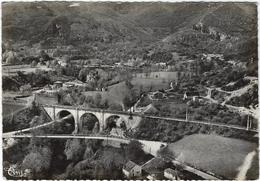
(169, 131)
(22, 119)
(247, 99)
(237, 85)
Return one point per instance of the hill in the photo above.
(68, 23)
(222, 28)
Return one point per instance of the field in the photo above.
(217, 154)
(150, 84)
(118, 91)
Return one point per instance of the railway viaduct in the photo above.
(54, 111)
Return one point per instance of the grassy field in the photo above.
(217, 154)
(118, 91)
(147, 84)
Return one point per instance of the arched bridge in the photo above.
(131, 120)
(102, 116)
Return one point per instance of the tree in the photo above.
(34, 108)
(128, 84)
(34, 63)
(74, 150)
(82, 74)
(110, 164)
(123, 125)
(81, 99)
(36, 121)
(26, 88)
(67, 59)
(38, 160)
(99, 171)
(127, 101)
(134, 151)
(141, 89)
(89, 121)
(98, 99)
(89, 100)
(101, 82)
(115, 107)
(44, 55)
(96, 128)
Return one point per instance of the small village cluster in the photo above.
(154, 169)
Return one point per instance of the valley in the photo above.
(101, 90)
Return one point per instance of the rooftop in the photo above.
(155, 165)
(129, 165)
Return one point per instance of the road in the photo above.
(33, 128)
(189, 168)
(195, 171)
(151, 147)
(68, 137)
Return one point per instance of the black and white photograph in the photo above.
(95, 90)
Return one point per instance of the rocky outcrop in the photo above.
(212, 31)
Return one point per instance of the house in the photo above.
(171, 174)
(131, 170)
(119, 64)
(163, 64)
(63, 63)
(150, 109)
(185, 96)
(57, 84)
(158, 95)
(153, 176)
(44, 91)
(154, 168)
(74, 83)
(68, 85)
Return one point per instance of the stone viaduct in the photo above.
(131, 120)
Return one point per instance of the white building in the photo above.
(132, 170)
(171, 174)
(75, 83)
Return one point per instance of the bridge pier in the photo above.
(76, 121)
(54, 114)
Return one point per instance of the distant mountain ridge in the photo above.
(67, 23)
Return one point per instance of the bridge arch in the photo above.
(89, 123)
(67, 120)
